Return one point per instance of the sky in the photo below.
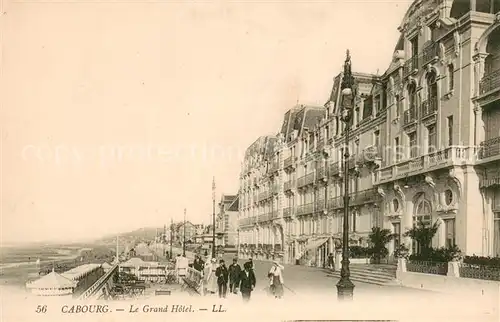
(116, 115)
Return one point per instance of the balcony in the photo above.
(306, 209)
(410, 116)
(334, 168)
(429, 107)
(320, 205)
(264, 195)
(274, 214)
(288, 185)
(335, 203)
(490, 148)
(274, 166)
(430, 53)
(276, 189)
(301, 182)
(321, 174)
(287, 212)
(309, 178)
(264, 217)
(489, 82)
(370, 155)
(289, 163)
(321, 144)
(363, 197)
(454, 155)
(246, 221)
(410, 66)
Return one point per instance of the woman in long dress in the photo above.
(276, 279)
(210, 278)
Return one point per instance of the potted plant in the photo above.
(379, 238)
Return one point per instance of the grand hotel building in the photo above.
(425, 145)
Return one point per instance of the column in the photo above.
(478, 114)
(440, 238)
(478, 71)
(407, 222)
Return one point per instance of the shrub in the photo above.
(482, 261)
(442, 255)
(402, 251)
(359, 252)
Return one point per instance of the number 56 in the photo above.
(41, 309)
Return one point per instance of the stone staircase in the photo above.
(378, 274)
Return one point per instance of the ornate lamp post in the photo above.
(184, 237)
(213, 218)
(345, 287)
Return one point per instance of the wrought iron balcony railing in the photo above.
(429, 107)
(410, 116)
(335, 203)
(490, 148)
(288, 162)
(288, 185)
(320, 173)
(320, 204)
(305, 209)
(363, 197)
(489, 82)
(321, 144)
(309, 178)
(287, 212)
(430, 53)
(410, 66)
(334, 168)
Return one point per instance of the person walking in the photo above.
(247, 282)
(276, 279)
(198, 264)
(222, 274)
(210, 280)
(249, 262)
(234, 276)
(331, 262)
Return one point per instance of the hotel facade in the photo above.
(424, 145)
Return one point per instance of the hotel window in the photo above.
(431, 138)
(397, 157)
(376, 138)
(397, 106)
(413, 144)
(450, 232)
(414, 46)
(327, 132)
(496, 234)
(376, 105)
(450, 130)
(451, 77)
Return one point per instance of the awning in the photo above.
(315, 243)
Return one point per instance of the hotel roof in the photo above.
(77, 272)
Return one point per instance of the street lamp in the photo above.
(184, 237)
(345, 287)
(213, 218)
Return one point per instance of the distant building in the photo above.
(226, 224)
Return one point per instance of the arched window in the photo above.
(422, 214)
(412, 96)
(432, 91)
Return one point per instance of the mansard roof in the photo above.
(264, 145)
(299, 118)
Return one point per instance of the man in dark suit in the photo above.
(250, 262)
(247, 282)
(222, 275)
(234, 276)
(198, 264)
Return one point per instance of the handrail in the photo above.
(96, 286)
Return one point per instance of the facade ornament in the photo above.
(455, 176)
(399, 192)
(381, 192)
(430, 181)
(456, 45)
(442, 53)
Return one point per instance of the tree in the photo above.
(379, 237)
(423, 233)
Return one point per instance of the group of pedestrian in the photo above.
(217, 277)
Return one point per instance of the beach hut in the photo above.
(52, 284)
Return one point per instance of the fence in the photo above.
(193, 280)
(92, 290)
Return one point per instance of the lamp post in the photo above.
(213, 218)
(171, 236)
(184, 237)
(345, 287)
